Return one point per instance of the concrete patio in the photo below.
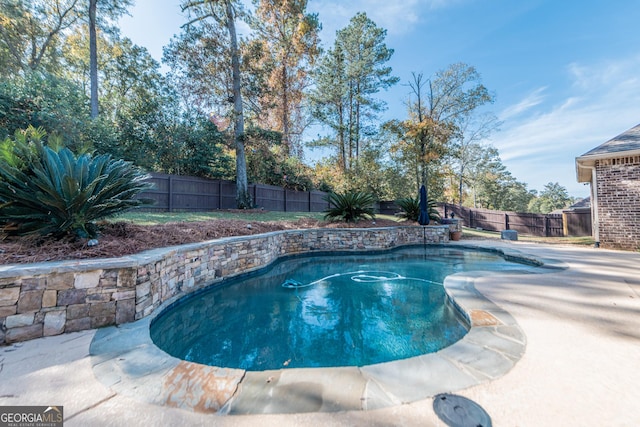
(580, 365)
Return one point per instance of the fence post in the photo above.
(255, 194)
(506, 221)
(546, 226)
(220, 194)
(170, 193)
(471, 225)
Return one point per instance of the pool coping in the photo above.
(125, 359)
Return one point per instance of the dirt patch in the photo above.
(123, 238)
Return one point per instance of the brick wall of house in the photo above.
(618, 182)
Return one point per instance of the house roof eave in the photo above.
(584, 163)
(583, 168)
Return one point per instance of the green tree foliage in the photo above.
(51, 191)
(100, 11)
(554, 196)
(177, 123)
(43, 100)
(200, 61)
(347, 79)
(16, 110)
(288, 38)
(267, 162)
(195, 148)
(495, 188)
(137, 105)
(369, 174)
(437, 110)
(224, 13)
(351, 206)
(200, 70)
(32, 33)
(132, 83)
(467, 148)
(141, 120)
(375, 174)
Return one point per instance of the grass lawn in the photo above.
(581, 241)
(154, 218)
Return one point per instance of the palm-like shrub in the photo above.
(49, 192)
(410, 207)
(351, 206)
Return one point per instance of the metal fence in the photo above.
(187, 193)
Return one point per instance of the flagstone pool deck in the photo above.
(576, 363)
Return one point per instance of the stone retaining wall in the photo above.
(51, 298)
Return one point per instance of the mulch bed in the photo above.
(124, 238)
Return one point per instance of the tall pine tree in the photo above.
(347, 80)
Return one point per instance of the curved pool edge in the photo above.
(125, 359)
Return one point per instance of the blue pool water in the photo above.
(325, 310)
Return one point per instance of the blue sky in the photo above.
(565, 73)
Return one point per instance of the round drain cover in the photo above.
(458, 411)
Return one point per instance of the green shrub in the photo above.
(50, 191)
(351, 206)
(19, 152)
(410, 207)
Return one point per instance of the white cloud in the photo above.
(397, 18)
(536, 97)
(606, 74)
(541, 146)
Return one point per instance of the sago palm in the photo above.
(56, 193)
(410, 207)
(351, 206)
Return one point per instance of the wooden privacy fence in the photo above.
(577, 223)
(569, 223)
(192, 194)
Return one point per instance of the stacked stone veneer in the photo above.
(52, 298)
(618, 182)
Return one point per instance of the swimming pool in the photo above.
(325, 310)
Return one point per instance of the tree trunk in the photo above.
(341, 138)
(350, 126)
(460, 187)
(93, 58)
(425, 177)
(243, 198)
(357, 123)
(286, 140)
